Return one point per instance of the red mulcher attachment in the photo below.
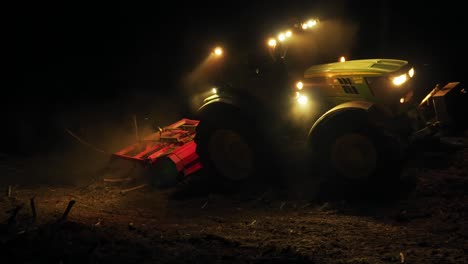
(174, 143)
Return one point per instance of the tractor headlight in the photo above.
(299, 85)
(301, 99)
(403, 78)
(400, 79)
(411, 72)
(303, 107)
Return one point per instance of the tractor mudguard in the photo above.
(353, 153)
(217, 100)
(235, 100)
(234, 140)
(355, 109)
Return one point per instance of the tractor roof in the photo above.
(367, 67)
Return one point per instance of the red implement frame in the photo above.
(174, 142)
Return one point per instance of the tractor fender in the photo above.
(216, 100)
(355, 110)
(243, 104)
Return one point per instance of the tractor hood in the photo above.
(370, 67)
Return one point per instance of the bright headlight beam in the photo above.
(304, 26)
(288, 33)
(399, 80)
(214, 90)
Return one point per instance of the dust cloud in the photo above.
(74, 145)
(326, 43)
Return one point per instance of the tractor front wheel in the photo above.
(358, 160)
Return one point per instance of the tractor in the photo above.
(347, 123)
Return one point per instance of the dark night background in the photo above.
(84, 63)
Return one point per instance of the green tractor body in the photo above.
(353, 120)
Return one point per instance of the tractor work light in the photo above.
(272, 42)
(281, 37)
(309, 24)
(218, 51)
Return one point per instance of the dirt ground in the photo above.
(187, 223)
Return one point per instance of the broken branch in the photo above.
(14, 213)
(117, 179)
(33, 209)
(124, 191)
(67, 211)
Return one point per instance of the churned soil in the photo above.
(188, 223)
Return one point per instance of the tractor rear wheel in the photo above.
(231, 149)
(231, 154)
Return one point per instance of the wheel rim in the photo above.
(231, 154)
(354, 156)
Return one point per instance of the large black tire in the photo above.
(357, 160)
(232, 149)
